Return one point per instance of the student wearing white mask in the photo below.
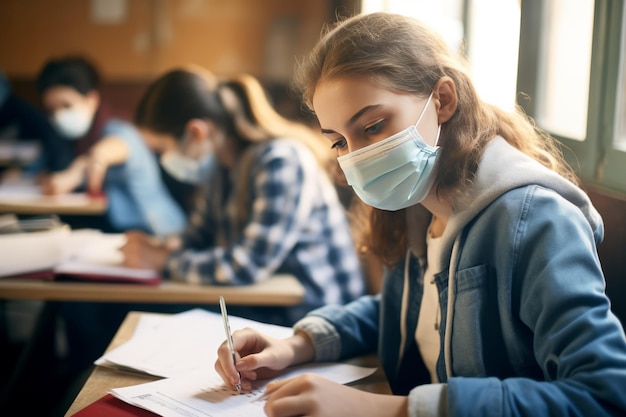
(493, 302)
(266, 205)
(101, 153)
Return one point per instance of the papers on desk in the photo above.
(21, 195)
(169, 346)
(184, 347)
(33, 251)
(19, 190)
(85, 255)
(204, 394)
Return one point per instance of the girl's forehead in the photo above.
(348, 90)
(344, 96)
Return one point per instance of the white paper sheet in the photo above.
(168, 346)
(204, 394)
(16, 190)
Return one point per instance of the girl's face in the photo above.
(158, 142)
(61, 98)
(70, 112)
(355, 112)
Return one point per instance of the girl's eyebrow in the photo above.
(355, 117)
(360, 113)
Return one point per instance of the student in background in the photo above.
(103, 153)
(494, 301)
(267, 205)
(21, 121)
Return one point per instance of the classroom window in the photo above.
(445, 16)
(572, 80)
(490, 45)
(619, 140)
(492, 49)
(564, 68)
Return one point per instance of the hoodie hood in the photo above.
(503, 168)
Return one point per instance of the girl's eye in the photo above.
(375, 128)
(338, 145)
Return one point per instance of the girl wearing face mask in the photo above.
(265, 205)
(493, 301)
(102, 153)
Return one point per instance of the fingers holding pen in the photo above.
(225, 366)
(256, 357)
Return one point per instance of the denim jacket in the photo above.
(526, 328)
(137, 196)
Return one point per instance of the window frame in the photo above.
(595, 160)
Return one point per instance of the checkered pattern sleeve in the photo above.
(277, 196)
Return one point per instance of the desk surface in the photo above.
(283, 290)
(22, 195)
(72, 204)
(103, 379)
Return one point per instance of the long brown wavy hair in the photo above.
(404, 55)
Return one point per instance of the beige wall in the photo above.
(226, 36)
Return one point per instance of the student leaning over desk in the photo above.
(102, 152)
(493, 303)
(266, 207)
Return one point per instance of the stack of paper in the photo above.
(183, 347)
(87, 255)
(204, 394)
(168, 346)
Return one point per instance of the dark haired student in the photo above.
(100, 152)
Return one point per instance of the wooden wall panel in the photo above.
(227, 36)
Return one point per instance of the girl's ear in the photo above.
(198, 130)
(92, 98)
(446, 100)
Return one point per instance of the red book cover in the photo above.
(109, 406)
(97, 273)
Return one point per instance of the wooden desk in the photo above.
(72, 204)
(282, 290)
(103, 379)
(21, 195)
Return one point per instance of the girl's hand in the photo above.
(96, 172)
(143, 251)
(315, 396)
(260, 356)
(62, 182)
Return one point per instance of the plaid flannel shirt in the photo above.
(295, 224)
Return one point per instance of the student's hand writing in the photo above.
(313, 395)
(62, 182)
(260, 356)
(142, 251)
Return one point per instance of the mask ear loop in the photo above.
(419, 119)
(438, 133)
(422, 115)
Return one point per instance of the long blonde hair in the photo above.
(404, 55)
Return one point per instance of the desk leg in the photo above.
(42, 337)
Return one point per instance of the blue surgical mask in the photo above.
(186, 169)
(394, 173)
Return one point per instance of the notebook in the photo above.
(62, 254)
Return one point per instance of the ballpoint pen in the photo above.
(229, 339)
